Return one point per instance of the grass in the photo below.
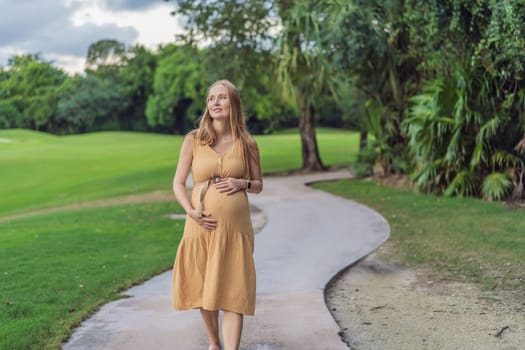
(58, 268)
(39, 170)
(468, 239)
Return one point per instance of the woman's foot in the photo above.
(214, 347)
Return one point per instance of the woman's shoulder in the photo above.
(192, 134)
(250, 140)
(250, 144)
(191, 137)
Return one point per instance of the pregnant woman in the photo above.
(214, 268)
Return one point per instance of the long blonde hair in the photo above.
(206, 135)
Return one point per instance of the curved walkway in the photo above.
(310, 237)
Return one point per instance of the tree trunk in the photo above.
(310, 151)
(518, 177)
(363, 139)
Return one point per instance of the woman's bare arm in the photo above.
(255, 169)
(179, 185)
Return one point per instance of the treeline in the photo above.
(132, 89)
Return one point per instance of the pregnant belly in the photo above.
(220, 205)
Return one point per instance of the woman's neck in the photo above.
(222, 129)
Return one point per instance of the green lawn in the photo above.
(58, 268)
(466, 238)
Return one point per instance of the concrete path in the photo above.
(310, 236)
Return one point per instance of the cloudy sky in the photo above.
(62, 30)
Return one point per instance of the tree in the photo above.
(106, 52)
(136, 78)
(9, 115)
(30, 86)
(243, 37)
(131, 72)
(304, 71)
(368, 42)
(86, 104)
(178, 90)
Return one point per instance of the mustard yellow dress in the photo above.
(214, 269)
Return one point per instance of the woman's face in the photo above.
(219, 102)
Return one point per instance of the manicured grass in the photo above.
(465, 238)
(282, 152)
(40, 170)
(57, 268)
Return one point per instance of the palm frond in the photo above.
(502, 159)
(480, 153)
(453, 150)
(463, 184)
(428, 175)
(489, 128)
(496, 186)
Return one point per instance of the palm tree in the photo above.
(303, 71)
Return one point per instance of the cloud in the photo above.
(66, 28)
(8, 51)
(76, 40)
(131, 4)
(20, 20)
(154, 24)
(71, 64)
(46, 26)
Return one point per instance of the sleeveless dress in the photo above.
(214, 269)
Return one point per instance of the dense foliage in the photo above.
(467, 123)
(441, 89)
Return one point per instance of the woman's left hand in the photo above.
(230, 185)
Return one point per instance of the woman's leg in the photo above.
(211, 319)
(231, 330)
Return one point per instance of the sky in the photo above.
(62, 30)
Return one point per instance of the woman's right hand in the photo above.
(205, 220)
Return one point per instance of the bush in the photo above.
(364, 164)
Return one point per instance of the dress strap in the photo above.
(202, 193)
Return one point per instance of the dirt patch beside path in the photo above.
(380, 305)
(156, 196)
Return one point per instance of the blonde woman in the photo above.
(214, 268)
